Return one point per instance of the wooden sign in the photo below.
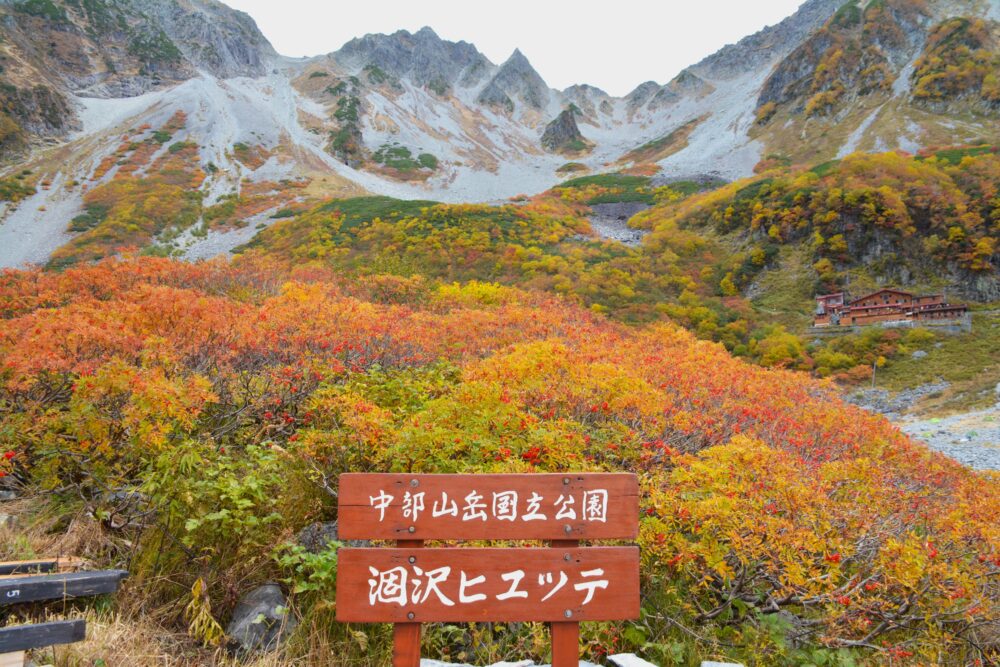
(563, 584)
(488, 507)
(479, 585)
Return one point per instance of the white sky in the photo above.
(612, 44)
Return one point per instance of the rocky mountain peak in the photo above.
(641, 95)
(515, 80)
(423, 57)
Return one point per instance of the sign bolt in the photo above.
(410, 615)
(566, 557)
(412, 529)
(412, 559)
(414, 482)
(566, 480)
(568, 613)
(568, 529)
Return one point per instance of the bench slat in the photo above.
(38, 565)
(37, 635)
(34, 588)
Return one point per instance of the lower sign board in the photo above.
(480, 585)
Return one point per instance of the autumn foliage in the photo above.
(930, 211)
(778, 523)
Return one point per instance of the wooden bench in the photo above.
(18, 589)
(15, 640)
(563, 584)
(41, 580)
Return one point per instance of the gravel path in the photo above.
(971, 438)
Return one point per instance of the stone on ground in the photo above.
(261, 620)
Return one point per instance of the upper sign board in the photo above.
(571, 506)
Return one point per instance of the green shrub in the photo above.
(152, 48)
(428, 161)
(43, 9)
(178, 146)
(376, 74)
(347, 109)
(93, 216)
(13, 190)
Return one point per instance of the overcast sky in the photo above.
(612, 44)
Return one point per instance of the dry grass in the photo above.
(116, 639)
(43, 531)
(135, 628)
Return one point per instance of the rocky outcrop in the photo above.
(38, 110)
(685, 84)
(758, 50)
(212, 36)
(590, 100)
(422, 57)
(642, 94)
(515, 80)
(857, 52)
(102, 48)
(261, 620)
(562, 135)
(958, 66)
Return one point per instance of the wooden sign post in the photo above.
(563, 585)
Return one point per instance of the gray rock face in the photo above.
(423, 57)
(214, 37)
(767, 45)
(563, 134)
(40, 110)
(261, 620)
(642, 94)
(589, 99)
(516, 79)
(794, 77)
(685, 84)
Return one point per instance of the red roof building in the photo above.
(884, 305)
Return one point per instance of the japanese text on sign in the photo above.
(412, 585)
(502, 506)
